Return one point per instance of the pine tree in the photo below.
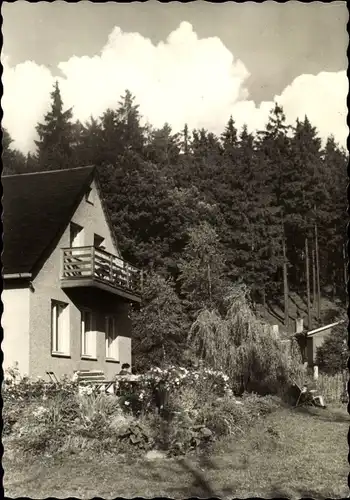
(185, 140)
(160, 326)
(202, 270)
(229, 137)
(13, 161)
(89, 149)
(56, 136)
(273, 159)
(109, 140)
(164, 147)
(128, 118)
(305, 196)
(137, 197)
(332, 226)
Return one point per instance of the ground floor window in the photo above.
(112, 351)
(60, 337)
(88, 334)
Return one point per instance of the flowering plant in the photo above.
(172, 379)
(21, 388)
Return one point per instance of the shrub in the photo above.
(182, 435)
(224, 417)
(137, 435)
(142, 399)
(240, 345)
(332, 355)
(40, 428)
(20, 393)
(22, 388)
(260, 405)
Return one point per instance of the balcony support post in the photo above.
(111, 268)
(93, 261)
(62, 262)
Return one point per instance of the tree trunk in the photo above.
(209, 284)
(263, 297)
(308, 284)
(285, 285)
(334, 287)
(345, 270)
(160, 320)
(314, 288)
(317, 275)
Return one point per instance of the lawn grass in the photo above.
(290, 453)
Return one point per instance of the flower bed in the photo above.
(198, 409)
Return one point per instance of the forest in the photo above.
(197, 211)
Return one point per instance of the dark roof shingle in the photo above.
(36, 207)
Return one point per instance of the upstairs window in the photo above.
(89, 196)
(76, 236)
(99, 242)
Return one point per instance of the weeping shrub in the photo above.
(241, 346)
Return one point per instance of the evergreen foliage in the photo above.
(57, 136)
(159, 327)
(14, 162)
(332, 356)
(206, 211)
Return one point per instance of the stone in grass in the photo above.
(155, 455)
(206, 433)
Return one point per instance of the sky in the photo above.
(195, 63)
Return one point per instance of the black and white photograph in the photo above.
(175, 255)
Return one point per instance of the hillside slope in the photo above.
(273, 313)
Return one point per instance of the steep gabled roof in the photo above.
(36, 208)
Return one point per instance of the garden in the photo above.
(189, 429)
(63, 441)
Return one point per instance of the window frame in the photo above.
(111, 353)
(101, 245)
(90, 196)
(83, 338)
(55, 333)
(79, 233)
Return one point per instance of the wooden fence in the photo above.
(333, 387)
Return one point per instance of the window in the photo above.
(76, 235)
(88, 334)
(99, 242)
(112, 350)
(60, 328)
(89, 196)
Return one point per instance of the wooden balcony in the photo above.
(92, 267)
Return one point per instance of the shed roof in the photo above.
(322, 328)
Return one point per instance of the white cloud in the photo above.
(182, 80)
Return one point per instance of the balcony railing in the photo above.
(95, 264)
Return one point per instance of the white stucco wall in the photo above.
(15, 323)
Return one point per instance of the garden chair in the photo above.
(125, 383)
(53, 377)
(308, 396)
